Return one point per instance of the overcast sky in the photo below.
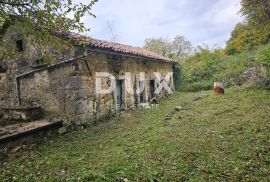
(201, 21)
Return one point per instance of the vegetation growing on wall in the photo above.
(41, 18)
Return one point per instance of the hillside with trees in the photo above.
(244, 61)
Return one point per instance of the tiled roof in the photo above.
(118, 48)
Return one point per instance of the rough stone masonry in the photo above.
(66, 88)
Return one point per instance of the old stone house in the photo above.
(66, 88)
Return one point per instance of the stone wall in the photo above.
(61, 92)
(2, 89)
(29, 58)
(68, 91)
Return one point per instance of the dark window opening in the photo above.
(152, 89)
(39, 62)
(19, 44)
(2, 69)
(114, 57)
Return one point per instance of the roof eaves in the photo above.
(112, 51)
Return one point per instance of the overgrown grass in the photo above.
(217, 138)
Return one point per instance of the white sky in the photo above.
(201, 21)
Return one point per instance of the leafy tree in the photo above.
(46, 16)
(257, 12)
(160, 46)
(254, 31)
(245, 37)
(242, 37)
(179, 48)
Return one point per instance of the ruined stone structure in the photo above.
(66, 89)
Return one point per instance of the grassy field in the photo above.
(218, 138)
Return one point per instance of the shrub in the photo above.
(200, 71)
(177, 69)
(263, 58)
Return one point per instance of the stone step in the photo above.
(22, 114)
(16, 134)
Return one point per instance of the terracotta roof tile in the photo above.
(116, 47)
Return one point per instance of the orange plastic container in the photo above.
(219, 88)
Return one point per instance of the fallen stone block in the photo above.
(197, 98)
(62, 130)
(179, 108)
(16, 149)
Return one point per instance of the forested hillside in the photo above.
(249, 67)
(244, 61)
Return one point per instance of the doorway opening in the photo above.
(119, 94)
(152, 89)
